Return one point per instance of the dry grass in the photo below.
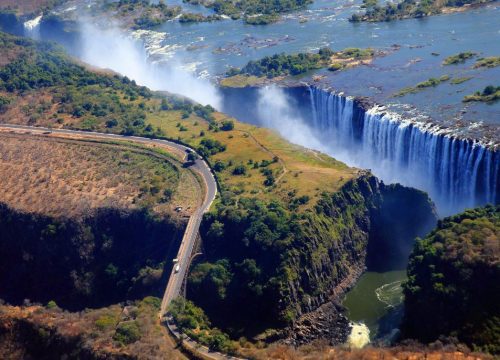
(95, 327)
(68, 177)
(240, 81)
(321, 351)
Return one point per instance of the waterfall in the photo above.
(457, 173)
(32, 27)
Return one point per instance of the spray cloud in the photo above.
(275, 112)
(111, 48)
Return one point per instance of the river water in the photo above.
(374, 304)
(209, 49)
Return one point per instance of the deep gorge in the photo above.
(281, 267)
(102, 258)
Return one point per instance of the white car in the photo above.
(177, 268)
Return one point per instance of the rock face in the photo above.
(367, 224)
(326, 322)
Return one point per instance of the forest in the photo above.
(452, 287)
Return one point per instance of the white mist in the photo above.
(113, 49)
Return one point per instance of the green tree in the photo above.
(240, 170)
(227, 125)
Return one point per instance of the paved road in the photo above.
(188, 241)
(191, 232)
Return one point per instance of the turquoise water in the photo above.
(375, 301)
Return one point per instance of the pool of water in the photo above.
(376, 301)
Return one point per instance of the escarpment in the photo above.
(107, 256)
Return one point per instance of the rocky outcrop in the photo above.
(326, 322)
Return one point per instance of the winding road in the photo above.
(186, 248)
(190, 234)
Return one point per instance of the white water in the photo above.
(32, 27)
(133, 55)
(391, 294)
(456, 173)
(359, 336)
(273, 107)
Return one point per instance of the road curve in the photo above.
(193, 225)
(190, 234)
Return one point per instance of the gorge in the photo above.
(292, 229)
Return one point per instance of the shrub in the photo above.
(105, 322)
(458, 58)
(219, 166)
(240, 170)
(51, 304)
(127, 332)
(336, 66)
(227, 125)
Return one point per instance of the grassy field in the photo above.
(58, 176)
(297, 171)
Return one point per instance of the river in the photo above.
(375, 303)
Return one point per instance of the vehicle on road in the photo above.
(177, 268)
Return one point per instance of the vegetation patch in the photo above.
(240, 81)
(140, 14)
(236, 9)
(459, 58)
(127, 332)
(100, 258)
(197, 18)
(192, 321)
(34, 329)
(460, 80)
(490, 94)
(453, 281)
(432, 82)
(488, 62)
(261, 19)
(406, 9)
(285, 65)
